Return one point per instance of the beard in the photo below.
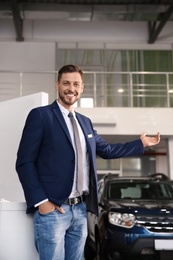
(67, 100)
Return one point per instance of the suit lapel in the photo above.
(83, 123)
(60, 118)
(86, 130)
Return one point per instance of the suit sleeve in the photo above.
(118, 150)
(26, 156)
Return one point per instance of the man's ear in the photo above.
(82, 89)
(57, 85)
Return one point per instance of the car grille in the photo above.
(156, 224)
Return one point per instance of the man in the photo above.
(47, 165)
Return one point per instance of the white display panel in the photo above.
(13, 114)
(16, 232)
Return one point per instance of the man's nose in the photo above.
(71, 86)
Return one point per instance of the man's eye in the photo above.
(65, 83)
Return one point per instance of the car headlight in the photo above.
(121, 219)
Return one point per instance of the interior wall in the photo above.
(27, 56)
(16, 232)
(12, 117)
(130, 121)
(84, 31)
(42, 39)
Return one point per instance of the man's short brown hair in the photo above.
(69, 69)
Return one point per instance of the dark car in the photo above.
(135, 219)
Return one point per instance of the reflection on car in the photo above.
(135, 219)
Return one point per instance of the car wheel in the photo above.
(89, 254)
(97, 247)
(166, 255)
(100, 255)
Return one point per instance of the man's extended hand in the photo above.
(150, 141)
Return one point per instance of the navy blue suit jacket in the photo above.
(46, 160)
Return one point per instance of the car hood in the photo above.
(145, 204)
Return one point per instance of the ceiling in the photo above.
(155, 12)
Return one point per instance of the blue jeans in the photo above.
(61, 236)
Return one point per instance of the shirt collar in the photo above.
(64, 110)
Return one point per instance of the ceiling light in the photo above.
(120, 90)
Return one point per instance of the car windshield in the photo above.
(140, 190)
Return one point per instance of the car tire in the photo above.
(98, 248)
(166, 255)
(89, 254)
(100, 252)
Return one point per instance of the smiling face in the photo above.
(69, 87)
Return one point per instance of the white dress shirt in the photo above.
(85, 155)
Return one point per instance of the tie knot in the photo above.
(70, 115)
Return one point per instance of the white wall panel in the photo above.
(89, 31)
(16, 232)
(27, 56)
(130, 121)
(12, 118)
(116, 32)
(99, 31)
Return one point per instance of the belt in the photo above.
(76, 200)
